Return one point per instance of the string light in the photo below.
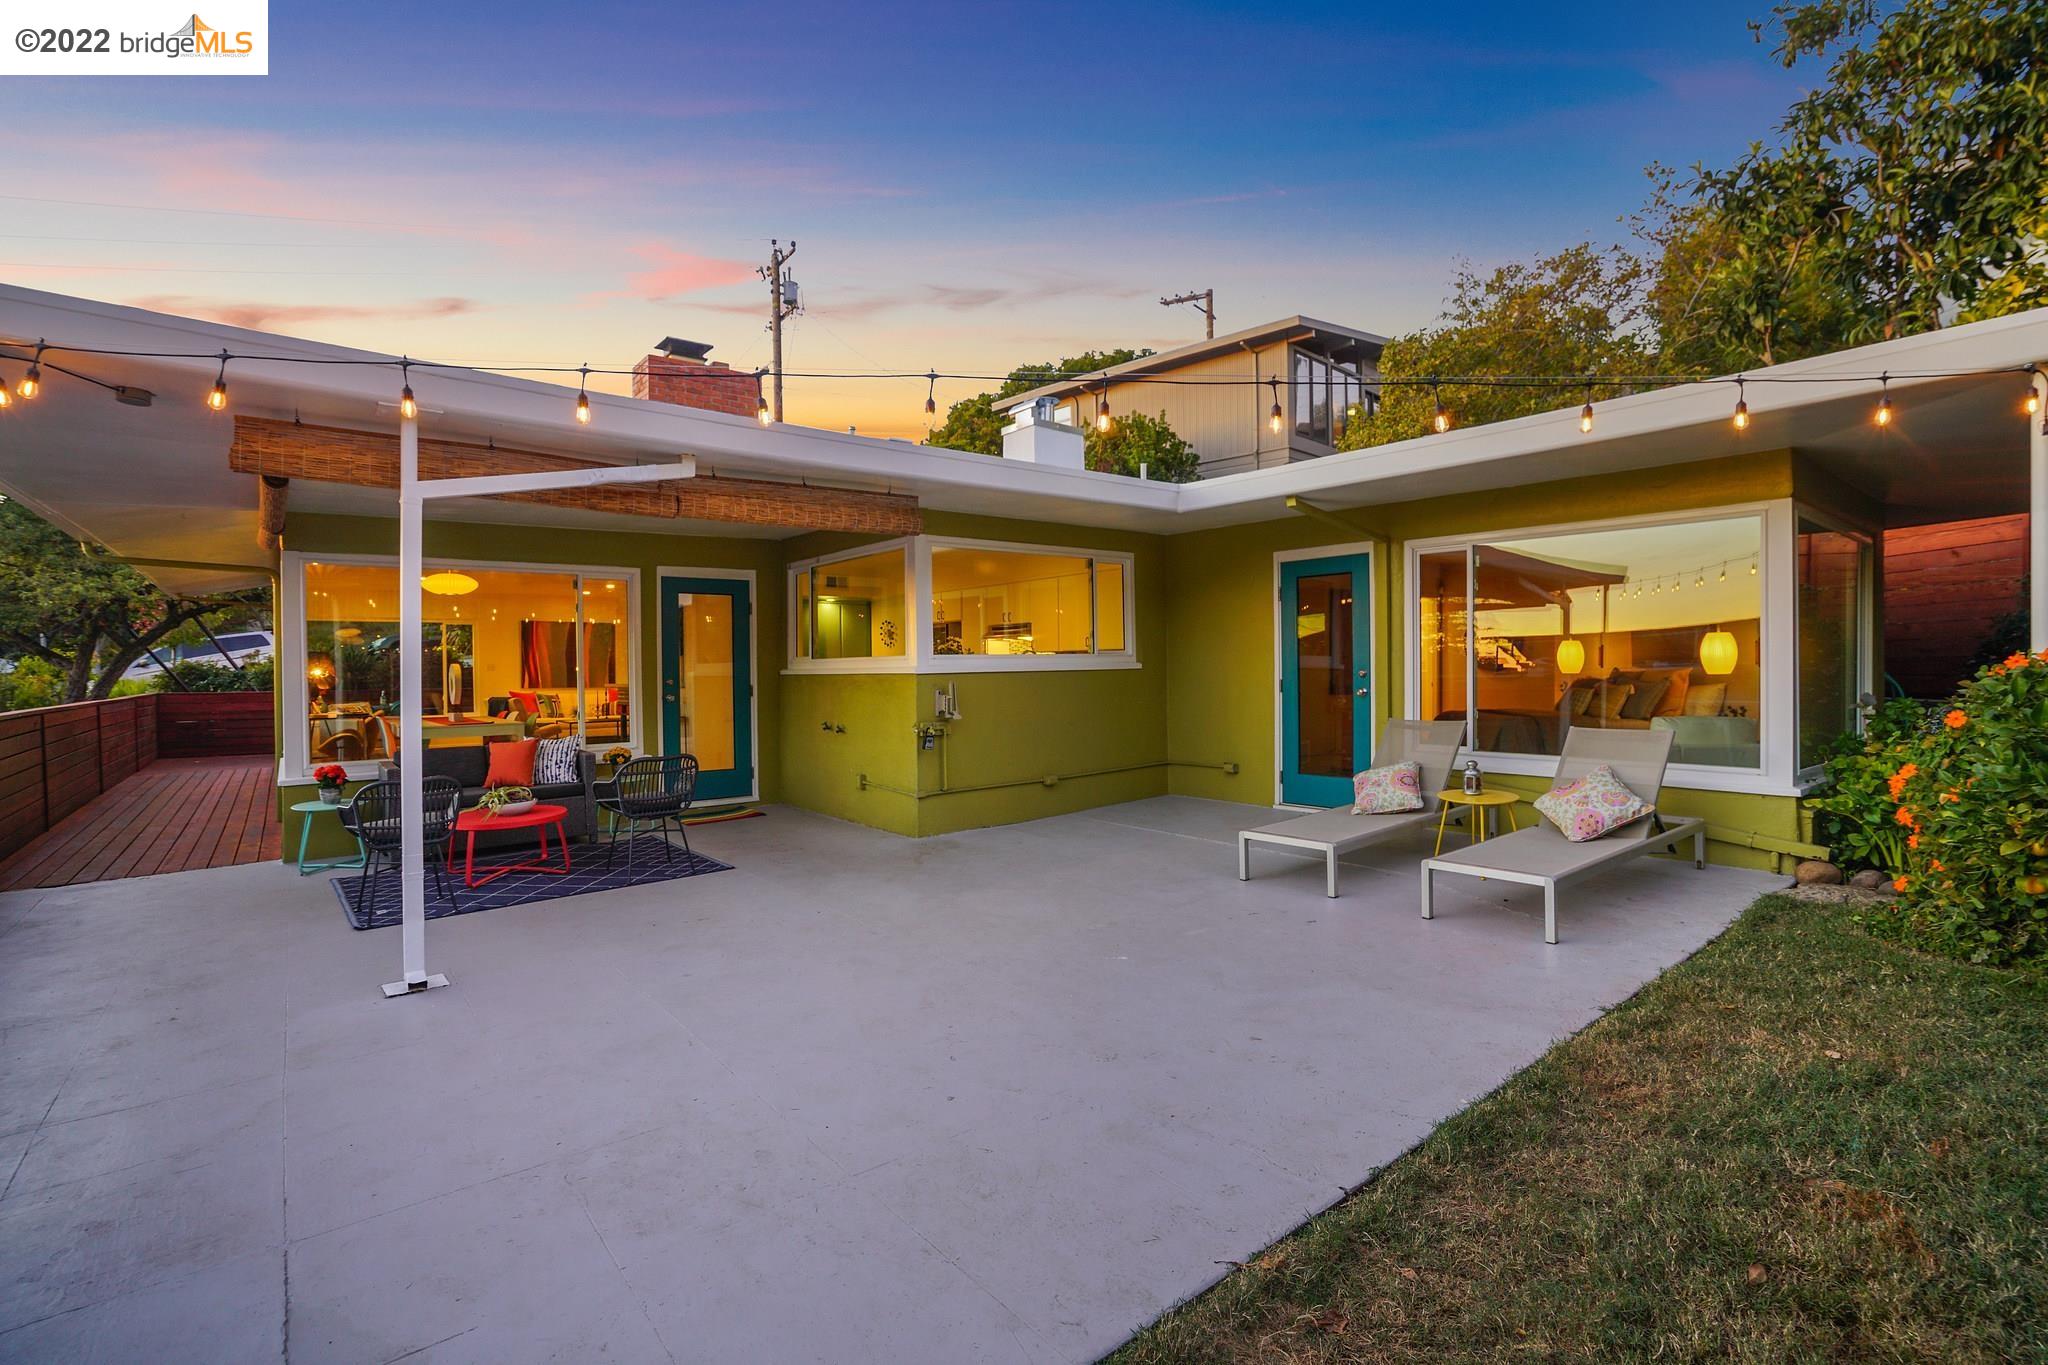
(761, 410)
(583, 396)
(1442, 421)
(1276, 419)
(6, 398)
(1741, 406)
(931, 394)
(217, 396)
(1883, 416)
(408, 406)
(1102, 410)
(1586, 413)
(32, 378)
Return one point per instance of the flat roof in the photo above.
(154, 483)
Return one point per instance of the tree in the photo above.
(1134, 439)
(1909, 190)
(1579, 312)
(974, 424)
(83, 612)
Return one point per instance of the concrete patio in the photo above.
(1002, 1095)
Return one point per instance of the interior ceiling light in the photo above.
(448, 583)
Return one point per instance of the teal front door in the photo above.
(1325, 678)
(707, 681)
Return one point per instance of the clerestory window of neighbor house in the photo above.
(1326, 398)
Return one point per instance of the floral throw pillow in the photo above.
(1382, 791)
(1593, 805)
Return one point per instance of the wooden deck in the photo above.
(174, 815)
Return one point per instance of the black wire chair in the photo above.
(649, 791)
(374, 815)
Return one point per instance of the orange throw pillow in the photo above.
(512, 763)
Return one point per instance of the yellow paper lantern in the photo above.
(1571, 655)
(448, 583)
(1718, 652)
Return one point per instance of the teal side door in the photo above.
(1325, 678)
(707, 680)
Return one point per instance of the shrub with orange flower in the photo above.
(1947, 802)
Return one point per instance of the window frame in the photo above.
(918, 656)
(1867, 680)
(1777, 633)
(295, 765)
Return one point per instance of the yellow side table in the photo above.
(1482, 804)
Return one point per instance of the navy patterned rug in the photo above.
(592, 870)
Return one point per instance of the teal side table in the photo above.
(309, 809)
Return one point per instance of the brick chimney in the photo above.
(679, 372)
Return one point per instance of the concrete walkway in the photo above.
(1001, 1096)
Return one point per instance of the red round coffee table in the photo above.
(475, 822)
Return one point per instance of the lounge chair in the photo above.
(1433, 744)
(1542, 856)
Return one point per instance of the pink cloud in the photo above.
(670, 272)
(268, 316)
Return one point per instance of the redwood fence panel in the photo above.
(214, 724)
(56, 759)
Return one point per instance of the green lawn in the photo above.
(1802, 1144)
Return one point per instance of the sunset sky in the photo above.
(972, 185)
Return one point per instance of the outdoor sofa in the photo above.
(1433, 744)
(1542, 856)
(468, 763)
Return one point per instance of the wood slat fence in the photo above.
(55, 759)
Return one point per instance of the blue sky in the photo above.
(972, 185)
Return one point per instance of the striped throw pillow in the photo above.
(557, 762)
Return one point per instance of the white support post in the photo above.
(2037, 517)
(412, 872)
(413, 495)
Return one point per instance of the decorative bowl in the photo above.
(516, 807)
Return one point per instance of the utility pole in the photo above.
(782, 301)
(1204, 299)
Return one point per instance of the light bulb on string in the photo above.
(32, 378)
(761, 410)
(1441, 422)
(1276, 419)
(408, 406)
(1586, 413)
(6, 398)
(583, 396)
(1883, 415)
(931, 394)
(1741, 407)
(1724, 574)
(1102, 410)
(217, 396)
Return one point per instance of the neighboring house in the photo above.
(927, 640)
(1319, 374)
(242, 647)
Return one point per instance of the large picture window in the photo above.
(508, 653)
(1628, 628)
(935, 604)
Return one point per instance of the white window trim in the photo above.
(1282, 558)
(295, 765)
(919, 657)
(1777, 636)
(1867, 682)
(746, 576)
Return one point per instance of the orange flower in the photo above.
(1897, 781)
(1935, 863)
(1904, 815)
(1955, 720)
(1899, 882)
(2017, 659)
(1913, 839)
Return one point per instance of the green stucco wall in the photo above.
(1221, 691)
(1029, 745)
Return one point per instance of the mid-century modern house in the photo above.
(926, 640)
(1218, 395)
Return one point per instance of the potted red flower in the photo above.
(329, 777)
